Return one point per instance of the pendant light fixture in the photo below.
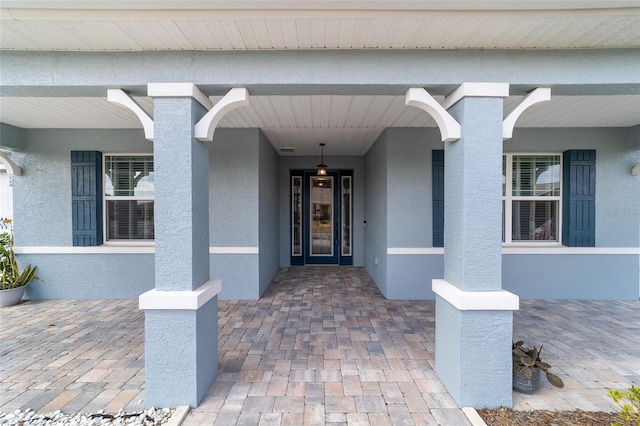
(322, 168)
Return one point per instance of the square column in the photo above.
(181, 313)
(473, 315)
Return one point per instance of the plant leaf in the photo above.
(555, 380)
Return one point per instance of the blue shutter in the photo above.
(437, 193)
(579, 198)
(86, 197)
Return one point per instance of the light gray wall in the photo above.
(233, 186)
(357, 164)
(562, 276)
(375, 195)
(366, 72)
(408, 209)
(42, 195)
(409, 200)
(269, 230)
(42, 208)
(617, 191)
(234, 199)
(11, 137)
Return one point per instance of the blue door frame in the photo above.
(338, 232)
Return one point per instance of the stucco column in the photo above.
(181, 314)
(473, 315)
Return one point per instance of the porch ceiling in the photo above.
(143, 25)
(348, 124)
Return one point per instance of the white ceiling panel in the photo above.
(479, 30)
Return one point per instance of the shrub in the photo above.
(629, 403)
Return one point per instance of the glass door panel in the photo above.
(346, 215)
(296, 216)
(321, 210)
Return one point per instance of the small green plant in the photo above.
(10, 274)
(525, 360)
(629, 403)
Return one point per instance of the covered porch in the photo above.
(215, 220)
(322, 345)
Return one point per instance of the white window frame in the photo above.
(105, 217)
(508, 198)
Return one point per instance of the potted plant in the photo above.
(13, 281)
(526, 369)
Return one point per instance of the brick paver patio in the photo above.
(321, 347)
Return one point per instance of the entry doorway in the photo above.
(321, 218)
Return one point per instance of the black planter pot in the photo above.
(527, 385)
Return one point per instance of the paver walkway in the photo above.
(321, 346)
(72, 355)
(592, 345)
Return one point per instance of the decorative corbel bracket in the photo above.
(420, 98)
(11, 167)
(235, 98)
(120, 97)
(541, 94)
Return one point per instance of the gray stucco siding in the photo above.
(90, 276)
(558, 276)
(269, 230)
(385, 72)
(42, 195)
(233, 187)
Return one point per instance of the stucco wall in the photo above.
(617, 199)
(269, 230)
(552, 274)
(233, 210)
(42, 209)
(400, 159)
(11, 137)
(376, 193)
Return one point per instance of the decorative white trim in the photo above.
(636, 170)
(178, 90)
(103, 249)
(525, 250)
(11, 167)
(234, 250)
(120, 97)
(541, 94)
(484, 90)
(235, 98)
(571, 250)
(415, 250)
(420, 98)
(174, 300)
(500, 300)
(125, 248)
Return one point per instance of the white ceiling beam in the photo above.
(541, 94)
(120, 97)
(10, 166)
(420, 98)
(235, 98)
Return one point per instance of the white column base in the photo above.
(175, 300)
(501, 300)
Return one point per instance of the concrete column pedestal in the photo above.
(181, 314)
(473, 315)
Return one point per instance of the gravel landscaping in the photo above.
(150, 417)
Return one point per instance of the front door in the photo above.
(321, 218)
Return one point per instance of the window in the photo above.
(128, 197)
(531, 194)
